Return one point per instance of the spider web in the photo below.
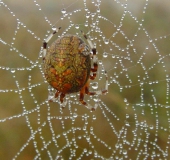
(132, 121)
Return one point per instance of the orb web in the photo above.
(132, 121)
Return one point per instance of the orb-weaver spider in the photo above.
(67, 66)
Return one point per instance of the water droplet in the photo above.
(105, 54)
(85, 150)
(94, 85)
(117, 145)
(86, 24)
(100, 62)
(77, 26)
(75, 115)
(94, 117)
(151, 127)
(127, 116)
(63, 11)
(87, 15)
(35, 101)
(124, 152)
(54, 28)
(127, 123)
(106, 41)
(85, 9)
(64, 133)
(150, 82)
(12, 70)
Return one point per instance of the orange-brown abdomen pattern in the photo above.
(67, 64)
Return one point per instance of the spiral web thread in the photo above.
(132, 121)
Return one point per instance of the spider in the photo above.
(67, 66)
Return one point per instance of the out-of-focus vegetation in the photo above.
(15, 133)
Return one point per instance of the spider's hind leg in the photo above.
(82, 92)
(85, 90)
(62, 101)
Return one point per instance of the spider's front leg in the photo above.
(47, 40)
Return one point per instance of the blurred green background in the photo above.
(133, 122)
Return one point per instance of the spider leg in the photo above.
(62, 103)
(82, 92)
(55, 96)
(62, 97)
(85, 89)
(47, 40)
(98, 92)
(91, 46)
(88, 40)
(94, 57)
(81, 99)
(95, 66)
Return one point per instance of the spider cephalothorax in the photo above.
(67, 66)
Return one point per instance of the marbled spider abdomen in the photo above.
(68, 69)
(67, 64)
